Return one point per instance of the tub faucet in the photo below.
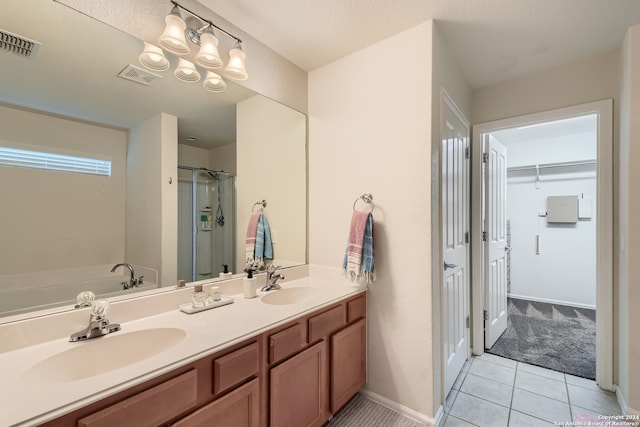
(98, 324)
(133, 282)
(272, 278)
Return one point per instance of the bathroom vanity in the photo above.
(292, 357)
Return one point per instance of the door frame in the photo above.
(604, 227)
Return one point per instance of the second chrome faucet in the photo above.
(272, 278)
(133, 281)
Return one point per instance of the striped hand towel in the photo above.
(358, 257)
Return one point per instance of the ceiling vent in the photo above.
(138, 75)
(18, 45)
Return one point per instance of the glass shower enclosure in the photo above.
(206, 223)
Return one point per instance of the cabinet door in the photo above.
(299, 389)
(348, 363)
(240, 408)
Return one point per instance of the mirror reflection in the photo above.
(63, 232)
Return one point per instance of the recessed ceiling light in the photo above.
(192, 139)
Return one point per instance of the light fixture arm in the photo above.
(207, 21)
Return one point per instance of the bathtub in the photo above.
(43, 296)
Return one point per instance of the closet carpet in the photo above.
(553, 336)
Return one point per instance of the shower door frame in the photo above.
(194, 213)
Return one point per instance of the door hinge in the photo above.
(485, 157)
(468, 322)
(486, 315)
(466, 152)
(485, 236)
(466, 237)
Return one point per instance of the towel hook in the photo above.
(262, 203)
(367, 198)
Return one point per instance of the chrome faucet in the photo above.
(133, 282)
(98, 324)
(272, 278)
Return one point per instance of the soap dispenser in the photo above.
(249, 285)
(226, 274)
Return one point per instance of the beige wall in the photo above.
(628, 315)
(271, 165)
(370, 131)
(152, 202)
(193, 156)
(224, 159)
(591, 79)
(53, 220)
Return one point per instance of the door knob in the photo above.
(447, 265)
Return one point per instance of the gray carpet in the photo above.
(363, 412)
(553, 336)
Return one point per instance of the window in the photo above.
(56, 162)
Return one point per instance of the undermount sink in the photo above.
(104, 354)
(290, 296)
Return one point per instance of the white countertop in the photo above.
(27, 402)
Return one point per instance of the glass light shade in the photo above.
(214, 83)
(172, 39)
(187, 72)
(208, 56)
(235, 69)
(153, 58)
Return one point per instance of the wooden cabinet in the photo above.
(348, 363)
(240, 408)
(327, 371)
(298, 389)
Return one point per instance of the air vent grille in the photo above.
(18, 45)
(138, 75)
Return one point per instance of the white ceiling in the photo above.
(492, 40)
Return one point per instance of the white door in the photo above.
(495, 239)
(454, 131)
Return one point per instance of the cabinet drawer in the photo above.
(324, 324)
(285, 343)
(235, 368)
(240, 408)
(356, 309)
(149, 408)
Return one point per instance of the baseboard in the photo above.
(623, 404)
(552, 301)
(407, 412)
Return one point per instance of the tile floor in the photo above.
(494, 391)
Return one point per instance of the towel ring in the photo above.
(367, 198)
(262, 203)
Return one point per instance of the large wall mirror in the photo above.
(187, 168)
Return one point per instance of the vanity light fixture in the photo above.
(214, 83)
(236, 69)
(208, 56)
(187, 72)
(176, 37)
(172, 39)
(153, 58)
